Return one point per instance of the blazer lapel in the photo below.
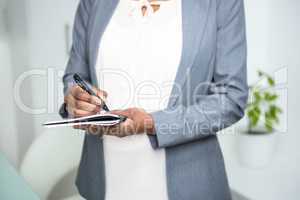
(194, 18)
(104, 10)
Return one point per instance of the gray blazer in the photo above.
(209, 94)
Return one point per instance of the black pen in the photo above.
(83, 85)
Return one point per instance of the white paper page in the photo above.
(82, 121)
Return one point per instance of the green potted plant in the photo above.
(257, 142)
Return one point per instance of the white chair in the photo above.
(51, 157)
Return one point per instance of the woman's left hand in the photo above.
(138, 122)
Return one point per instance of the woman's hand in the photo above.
(137, 122)
(80, 103)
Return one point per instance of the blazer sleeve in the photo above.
(226, 102)
(78, 61)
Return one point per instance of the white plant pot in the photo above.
(256, 150)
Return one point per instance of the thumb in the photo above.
(125, 113)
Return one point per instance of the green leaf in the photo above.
(269, 126)
(278, 109)
(261, 100)
(257, 110)
(270, 97)
(269, 121)
(253, 115)
(273, 97)
(271, 81)
(257, 97)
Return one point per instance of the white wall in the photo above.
(37, 41)
(17, 38)
(47, 22)
(8, 134)
(273, 36)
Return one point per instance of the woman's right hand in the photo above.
(80, 104)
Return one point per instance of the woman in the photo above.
(177, 70)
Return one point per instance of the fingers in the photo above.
(138, 121)
(121, 130)
(80, 94)
(126, 128)
(94, 130)
(81, 104)
(79, 113)
(81, 127)
(98, 130)
(127, 112)
(80, 108)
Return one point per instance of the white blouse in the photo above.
(137, 63)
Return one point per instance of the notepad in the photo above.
(104, 119)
